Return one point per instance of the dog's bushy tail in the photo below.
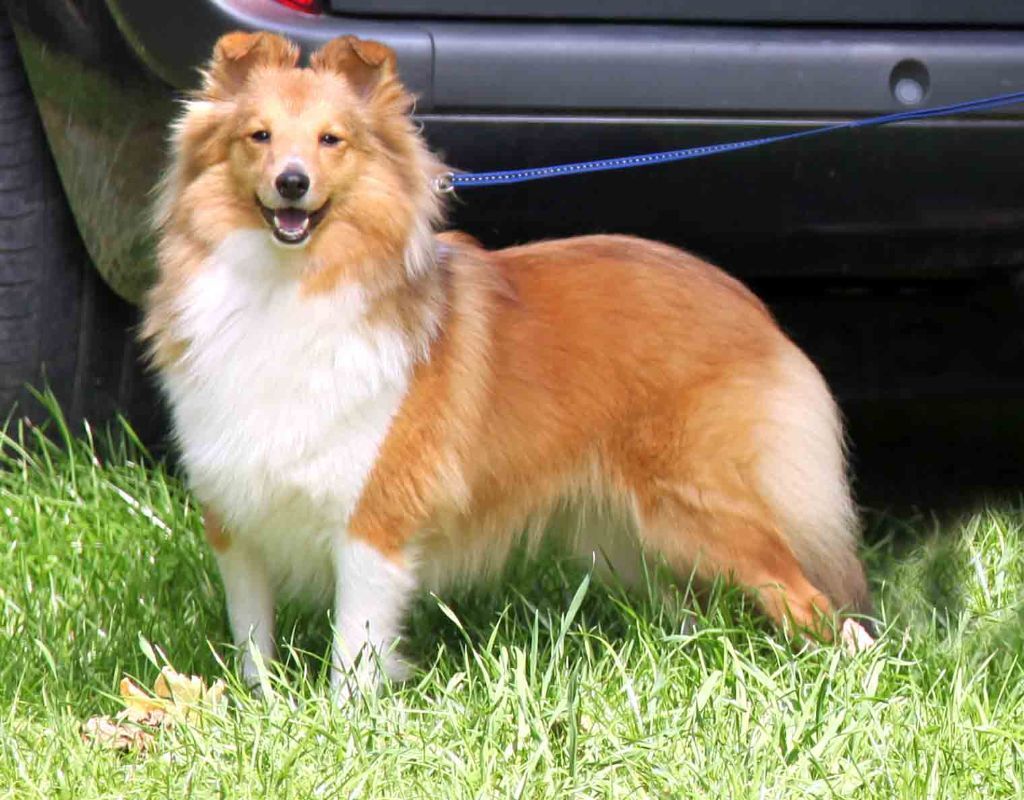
(804, 479)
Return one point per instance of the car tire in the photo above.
(61, 326)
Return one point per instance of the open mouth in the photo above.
(292, 225)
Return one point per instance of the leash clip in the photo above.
(443, 183)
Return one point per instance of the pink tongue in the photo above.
(290, 219)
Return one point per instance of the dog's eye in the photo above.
(260, 136)
(329, 139)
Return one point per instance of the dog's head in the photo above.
(298, 151)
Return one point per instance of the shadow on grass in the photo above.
(952, 583)
(527, 606)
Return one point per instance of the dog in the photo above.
(366, 408)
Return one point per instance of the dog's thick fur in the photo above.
(383, 408)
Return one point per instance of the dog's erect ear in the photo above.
(367, 65)
(236, 54)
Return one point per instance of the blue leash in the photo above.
(450, 181)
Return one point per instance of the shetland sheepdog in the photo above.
(367, 408)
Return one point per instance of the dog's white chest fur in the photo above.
(281, 403)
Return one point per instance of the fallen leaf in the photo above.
(110, 733)
(142, 707)
(181, 689)
(175, 699)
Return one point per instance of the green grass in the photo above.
(545, 685)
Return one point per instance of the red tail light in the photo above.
(309, 6)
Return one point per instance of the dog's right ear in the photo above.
(236, 54)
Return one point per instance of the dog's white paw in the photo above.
(366, 677)
(854, 637)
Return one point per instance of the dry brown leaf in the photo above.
(109, 733)
(175, 698)
(141, 707)
(182, 689)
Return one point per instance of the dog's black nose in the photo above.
(292, 185)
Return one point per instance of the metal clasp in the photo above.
(443, 183)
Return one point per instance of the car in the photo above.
(891, 254)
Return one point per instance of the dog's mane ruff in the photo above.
(191, 129)
(420, 254)
(399, 135)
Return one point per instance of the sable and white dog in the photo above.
(366, 407)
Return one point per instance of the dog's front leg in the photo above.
(249, 594)
(372, 590)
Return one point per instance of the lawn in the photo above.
(545, 685)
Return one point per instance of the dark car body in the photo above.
(867, 242)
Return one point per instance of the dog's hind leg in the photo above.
(741, 550)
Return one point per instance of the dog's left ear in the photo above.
(367, 65)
